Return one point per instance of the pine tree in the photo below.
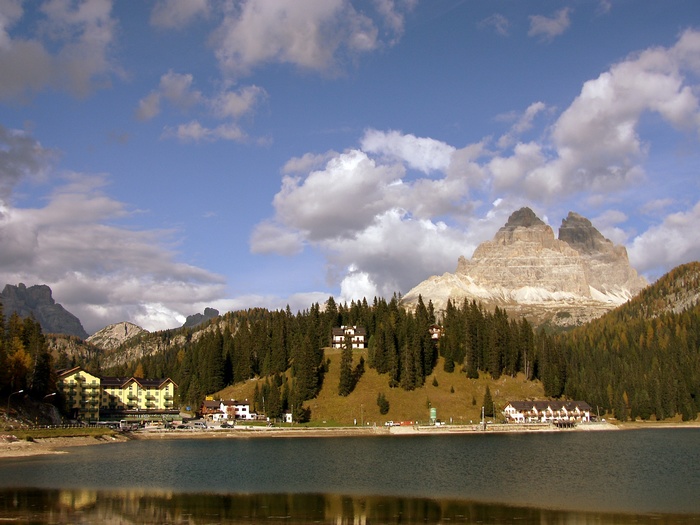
(382, 403)
(345, 385)
(488, 403)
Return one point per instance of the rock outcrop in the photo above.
(37, 300)
(529, 272)
(197, 319)
(115, 335)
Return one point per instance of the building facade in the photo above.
(91, 398)
(547, 411)
(357, 336)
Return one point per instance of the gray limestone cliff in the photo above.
(37, 300)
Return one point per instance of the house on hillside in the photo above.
(547, 411)
(357, 335)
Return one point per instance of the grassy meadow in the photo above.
(456, 398)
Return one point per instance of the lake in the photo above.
(638, 476)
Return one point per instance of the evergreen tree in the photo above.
(488, 403)
(382, 403)
(345, 385)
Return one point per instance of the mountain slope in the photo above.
(37, 300)
(114, 335)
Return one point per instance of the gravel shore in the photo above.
(11, 447)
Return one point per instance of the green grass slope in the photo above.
(456, 398)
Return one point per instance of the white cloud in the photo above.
(175, 88)
(339, 201)
(235, 104)
(79, 36)
(666, 245)
(306, 33)
(422, 154)
(522, 124)
(194, 131)
(21, 156)
(98, 270)
(548, 28)
(176, 14)
(403, 207)
(270, 237)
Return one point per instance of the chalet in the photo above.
(435, 332)
(210, 407)
(547, 411)
(357, 335)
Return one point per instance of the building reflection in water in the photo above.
(138, 506)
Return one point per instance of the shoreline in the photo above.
(12, 447)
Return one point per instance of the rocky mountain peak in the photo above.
(38, 301)
(580, 234)
(112, 336)
(523, 218)
(197, 319)
(526, 270)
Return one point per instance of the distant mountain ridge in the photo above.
(526, 270)
(37, 300)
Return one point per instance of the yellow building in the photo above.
(91, 398)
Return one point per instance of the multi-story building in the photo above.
(356, 334)
(91, 398)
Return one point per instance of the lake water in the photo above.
(561, 477)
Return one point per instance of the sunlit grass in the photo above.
(456, 398)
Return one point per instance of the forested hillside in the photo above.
(641, 360)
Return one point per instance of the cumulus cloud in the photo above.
(594, 145)
(98, 270)
(547, 28)
(312, 35)
(418, 153)
(399, 208)
(21, 156)
(665, 245)
(69, 51)
(175, 88)
(178, 90)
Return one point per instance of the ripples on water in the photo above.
(564, 477)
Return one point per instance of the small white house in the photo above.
(356, 334)
(236, 409)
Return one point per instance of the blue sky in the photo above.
(159, 157)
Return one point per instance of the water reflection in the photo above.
(90, 506)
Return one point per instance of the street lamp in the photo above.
(7, 413)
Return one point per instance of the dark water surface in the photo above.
(562, 477)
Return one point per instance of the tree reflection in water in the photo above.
(88, 506)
